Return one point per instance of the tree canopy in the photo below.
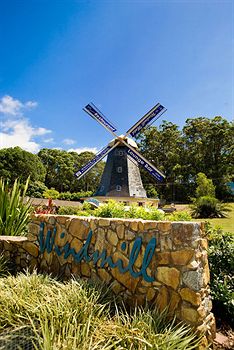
(202, 146)
(17, 163)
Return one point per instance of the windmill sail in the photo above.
(156, 111)
(99, 156)
(145, 164)
(94, 112)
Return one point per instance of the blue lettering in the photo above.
(47, 244)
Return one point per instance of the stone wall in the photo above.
(161, 263)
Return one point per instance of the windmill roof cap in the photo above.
(128, 140)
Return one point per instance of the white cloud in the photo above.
(14, 107)
(20, 133)
(83, 149)
(50, 140)
(69, 141)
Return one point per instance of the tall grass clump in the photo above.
(14, 211)
(77, 315)
(3, 266)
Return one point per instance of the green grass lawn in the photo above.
(227, 224)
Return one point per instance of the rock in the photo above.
(151, 292)
(164, 226)
(165, 243)
(85, 269)
(134, 225)
(206, 274)
(78, 228)
(190, 296)
(33, 229)
(125, 278)
(76, 244)
(169, 276)
(163, 258)
(189, 314)
(112, 237)
(120, 231)
(129, 236)
(162, 299)
(104, 275)
(173, 302)
(31, 248)
(104, 222)
(182, 257)
(193, 279)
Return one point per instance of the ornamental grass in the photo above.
(14, 211)
(38, 312)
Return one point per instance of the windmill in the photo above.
(121, 179)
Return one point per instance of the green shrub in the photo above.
(180, 216)
(111, 209)
(65, 196)
(144, 213)
(208, 207)
(151, 191)
(68, 210)
(14, 211)
(51, 193)
(36, 189)
(221, 260)
(77, 195)
(205, 186)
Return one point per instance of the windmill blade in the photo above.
(99, 156)
(141, 160)
(156, 111)
(94, 112)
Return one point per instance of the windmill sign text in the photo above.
(47, 244)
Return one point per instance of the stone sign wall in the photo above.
(161, 263)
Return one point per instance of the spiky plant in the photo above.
(14, 210)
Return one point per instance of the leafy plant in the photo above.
(36, 189)
(180, 216)
(111, 209)
(68, 210)
(51, 193)
(144, 213)
(209, 207)
(221, 260)
(205, 186)
(14, 210)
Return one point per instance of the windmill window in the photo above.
(119, 169)
(119, 152)
(118, 188)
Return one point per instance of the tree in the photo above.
(17, 163)
(204, 145)
(163, 147)
(209, 145)
(205, 186)
(91, 180)
(61, 166)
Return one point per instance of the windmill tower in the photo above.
(121, 179)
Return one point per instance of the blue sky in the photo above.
(125, 56)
